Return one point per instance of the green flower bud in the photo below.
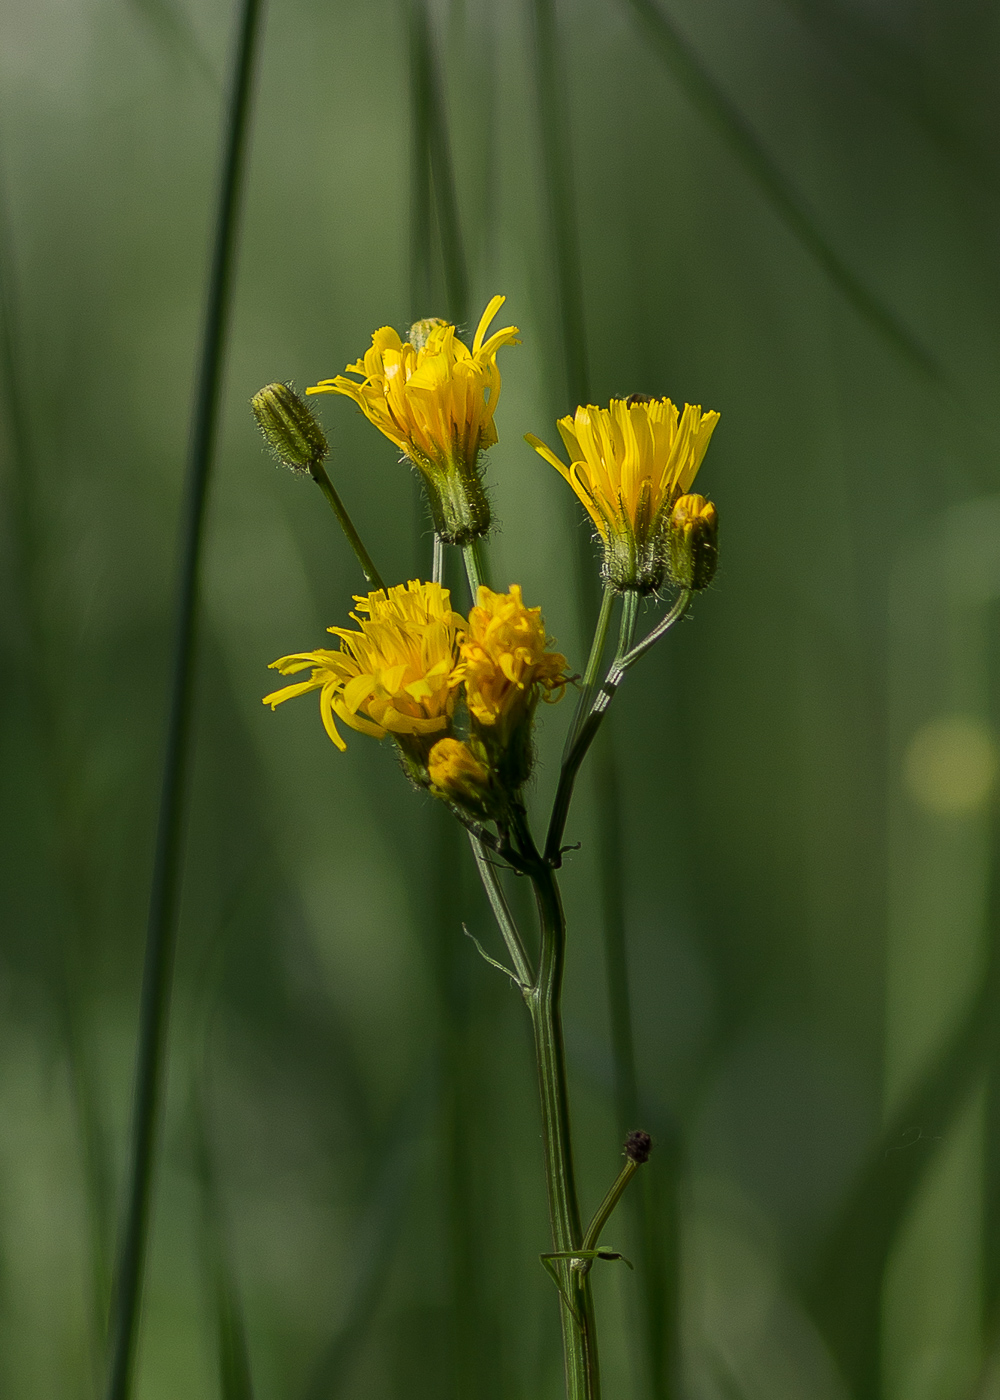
(456, 773)
(693, 542)
(289, 428)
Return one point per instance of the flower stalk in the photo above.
(544, 999)
(321, 477)
(457, 695)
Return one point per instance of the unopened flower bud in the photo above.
(457, 775)
(289, 428)
(693, 542)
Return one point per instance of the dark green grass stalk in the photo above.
(657, 1249)
(433, 193)
(557, 170)
(991, 988)
(177, 36)
(61, 769)
(232, 1345)
(844, 1290)
(657, 1257)
(441, 262)
(845, 1286)
(736, 132)
(163, 905)
(390, 1177)
(864, 45)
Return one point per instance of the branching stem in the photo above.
(589, 682)
(588, 730)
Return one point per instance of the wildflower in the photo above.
(435, 399)
(628, 465)
(457, 775)
(693, 542)
(506, 667)
(397, 675)
(289, 427)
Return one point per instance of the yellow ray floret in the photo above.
(628, 464)
(397, 675)
(505, 659)
(434, 400)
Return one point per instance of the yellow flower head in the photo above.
(435, 399)
(506, 667)
(628, 465)
(397, 675)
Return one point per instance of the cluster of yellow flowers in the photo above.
(403, 672)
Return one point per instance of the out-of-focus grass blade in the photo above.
(861, 44)
(24, 538)
(651, 1199)
(392, 1173)
(728, 1383)
(557, 165)
(235, 1379)
(175, 32)
(991, 1125)
(161, 930)
(845, 1288)
(729, 122)
(433, 178)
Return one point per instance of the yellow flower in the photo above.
(506, 667)
(435, 399)
(398, 675)
(628, 465)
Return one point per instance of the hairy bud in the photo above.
(289, 428)
(693, 542)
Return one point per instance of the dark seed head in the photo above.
(638, 1146)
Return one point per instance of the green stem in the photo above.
(502, 913)
(474, 568)
(627, 656)
(544, 1002)
(626, 632)
(437, 560)
(589, 683)
(593, 1235)
(161, 929)
(322, 480)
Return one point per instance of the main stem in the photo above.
(583, 1380)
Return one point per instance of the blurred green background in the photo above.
(785, 210)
